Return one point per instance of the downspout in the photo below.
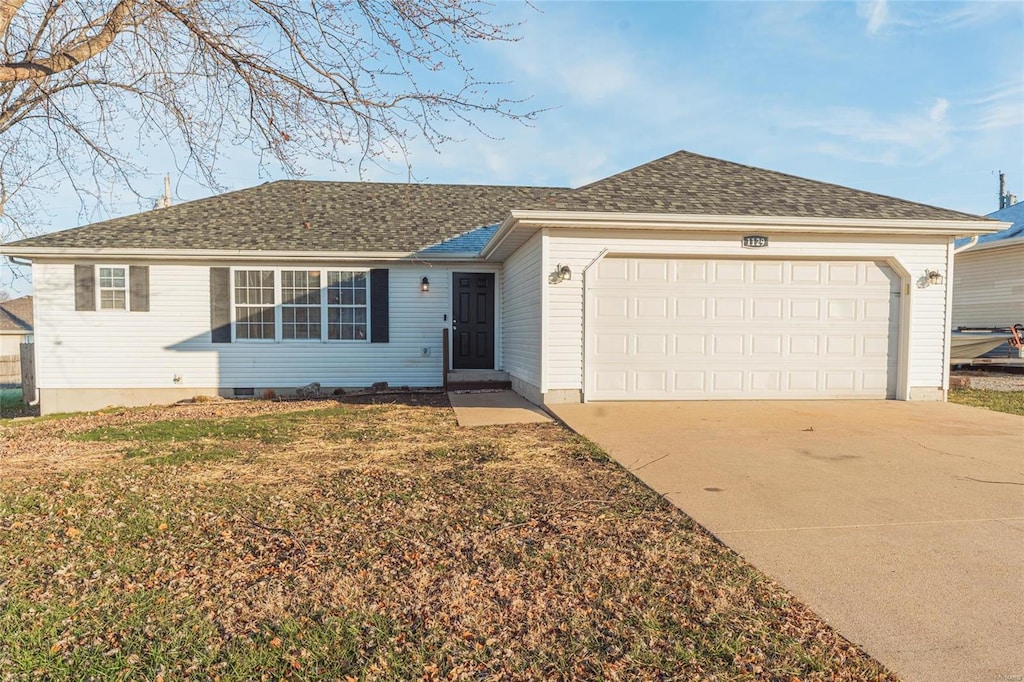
(16, 261)
(968, 245)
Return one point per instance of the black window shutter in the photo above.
(220, 305)
(138, 282)
(85, 287)
(379, 306)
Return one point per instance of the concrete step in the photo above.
(475, 379)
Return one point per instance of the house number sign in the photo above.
(755, 241)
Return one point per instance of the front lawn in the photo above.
(1000, 401)
(368, 541)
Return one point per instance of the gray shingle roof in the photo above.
(16, 315)
(295, 215)
(689, 183)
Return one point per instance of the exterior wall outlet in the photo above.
(425, 352)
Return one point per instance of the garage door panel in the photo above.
(804, 382)
(875, 346)
(766, 380)
(805, 309)
(690, 344)
(876, 310)
(613, 270)
(767, 309)
(691, 271)
(769, 272)
(689, 381)
(805, 273)
(839, 309)
(728, 308)
(727, 344)
(728, 271)
(766, 344)
(651, 308)
(651, 380)
(842, 273)
(701, 329)
(652, 344)
(841, 344)
(691, 308)
(649, 270)
(727, 380)
(612, 307)
(803, 344)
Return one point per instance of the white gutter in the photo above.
(960, 249)
(736, 223)
(1015, 241)
(227, 254)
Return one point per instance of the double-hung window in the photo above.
(315, 305)
(346, 305)
(254, 304)
(113, 287)
(300, 304)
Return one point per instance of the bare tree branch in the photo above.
(89, 87)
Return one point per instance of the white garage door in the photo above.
(689, 329)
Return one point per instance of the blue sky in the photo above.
(919, 100)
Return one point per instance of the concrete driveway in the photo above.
(902, 524)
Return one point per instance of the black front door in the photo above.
(473, 320)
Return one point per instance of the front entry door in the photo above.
(473, 320)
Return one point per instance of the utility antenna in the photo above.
(165, 200)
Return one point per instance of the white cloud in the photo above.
(856, 134)
(998, 109)
(876, 12)
(924, 17)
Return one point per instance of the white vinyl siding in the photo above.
(86, 350)
(988, 287)
(521, 292)
(924, 309)
(696, 329)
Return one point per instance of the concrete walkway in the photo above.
(493, 408)
(902, 524)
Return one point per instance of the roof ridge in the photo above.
(781, 174)
(413, 184)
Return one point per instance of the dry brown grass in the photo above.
(372, 541)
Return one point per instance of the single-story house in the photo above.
(686, 278)
(988, 281)
(15, 329)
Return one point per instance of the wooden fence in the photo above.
(10, 369)
(28, 371)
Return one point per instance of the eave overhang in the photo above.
(529, 222)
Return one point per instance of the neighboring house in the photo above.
(15, 329)
(988, 280)
(684, 278)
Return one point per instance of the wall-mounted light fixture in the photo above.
(932, 277)
(561, 273)
(424, 284)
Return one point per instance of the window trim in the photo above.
(278, 304)
(327, 306)
(100, 288)
(279, 296)
(234, 307)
